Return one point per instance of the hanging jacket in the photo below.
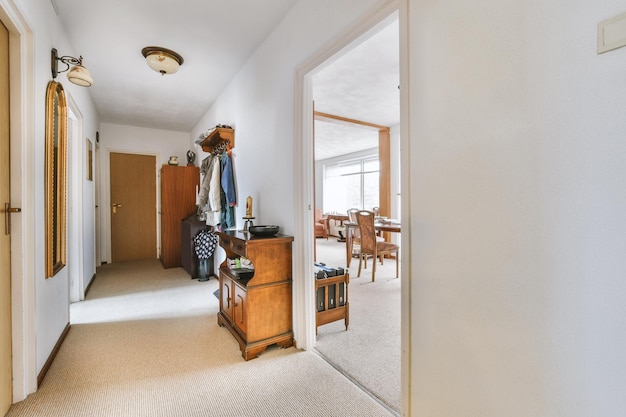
(209, 196)
(229, 196)
(228, 180)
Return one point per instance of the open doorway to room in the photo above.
(356, 148)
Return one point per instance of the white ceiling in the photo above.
(361, 84)
(216, 38)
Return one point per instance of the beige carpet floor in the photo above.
(145, 342)
(369, 351)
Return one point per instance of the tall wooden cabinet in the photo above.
(178, 200)
(256, 310)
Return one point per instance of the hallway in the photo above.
(145, 342)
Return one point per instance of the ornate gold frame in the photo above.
(56, 178)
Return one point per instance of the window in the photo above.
(352, 183)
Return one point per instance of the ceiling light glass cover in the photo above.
(162, 60)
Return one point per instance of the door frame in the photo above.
(304, 317)
(97, 179)
(75, 218)
(22, 139)
(303, 293)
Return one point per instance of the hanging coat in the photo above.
(229, 196)
(210, 189)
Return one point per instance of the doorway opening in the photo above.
(327, 100)
(75, 237)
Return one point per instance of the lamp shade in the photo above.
(162, 60)
(80, 75)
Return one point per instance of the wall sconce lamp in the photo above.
(162, 60)
(78, 75)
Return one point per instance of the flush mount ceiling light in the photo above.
(162, 60)
(78, 75)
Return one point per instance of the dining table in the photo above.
(339, 220)
(379, 225)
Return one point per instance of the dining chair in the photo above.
(376, 211)
(356, 240)
(372, 246)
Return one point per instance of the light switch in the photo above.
(612, 33)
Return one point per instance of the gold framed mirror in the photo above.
(56, 178)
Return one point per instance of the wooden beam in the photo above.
(331, 118)
(384, 157)
(384, 160)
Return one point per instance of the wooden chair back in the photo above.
(370, 245)
(352, 214)
(352, 219)
(365, 220)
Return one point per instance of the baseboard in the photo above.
(53, 355)
(89, 285)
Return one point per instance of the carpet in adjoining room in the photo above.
(369, 351)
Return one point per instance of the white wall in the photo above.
(135, 140)
(51, 313)
(259, 105)
(517, 209)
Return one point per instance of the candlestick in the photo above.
(249, 206)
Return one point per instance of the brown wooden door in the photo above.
(6, 385)
(133, 207)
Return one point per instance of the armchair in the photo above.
(321, 224)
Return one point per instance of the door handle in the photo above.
(115, 207)
(7, 217)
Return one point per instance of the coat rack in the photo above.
(217, 136)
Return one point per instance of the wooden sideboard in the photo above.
(257, 310)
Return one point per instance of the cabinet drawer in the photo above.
(225, 241)
(234, 245)
(238, 246)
